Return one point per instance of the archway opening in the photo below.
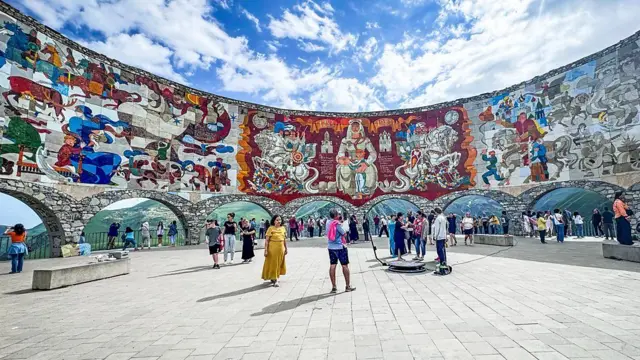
(15, 211)
(254, 213)
(577, 200)
(385, 209)
(314, 210)
(479, 207)
(133, 213)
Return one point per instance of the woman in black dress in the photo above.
(247, 241)
(353, 229)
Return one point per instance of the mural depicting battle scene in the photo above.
(69, 115)
(425, 153)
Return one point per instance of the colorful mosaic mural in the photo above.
(68, 115)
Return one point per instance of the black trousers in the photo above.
(542, 233)
(367, 235)
(383, 229)
(292, 233)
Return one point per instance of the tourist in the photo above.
(247, 233)
(526, 224)
(430, 219)
(310, 225)
(596, 221)
(160, 233)
(494, 222)
(353, 229)
(230, 229)
(293, 228)
(275, 250)
(623, 218)
(467, 228)
(566, 216)
(505, 223)
(319, 225)
(376, 224)
(18, 250)
(383, 227)
(534, 223)
(392, 232)
(476, 225)
(440, 235)
(607, 222)
(409, 231)
(365, 229)
(452, 229)
(344, 222)
(173, 231)
(542, 226)
(301, 226)
(485, 223)
(212, 238)
(558, 221)
(129, 239)
(549, 219)
(577, 219)
(145, 234)
(398, 236)
(337, 252)
(263, 228)
(113, 235)
(419, 241)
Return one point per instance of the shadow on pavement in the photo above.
(192, 270)
(291, 304)
(265, 285)
(23, 291)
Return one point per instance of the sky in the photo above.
(342, 55)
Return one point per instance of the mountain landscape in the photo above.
(150, 211)
(34, 231)
(574, 199)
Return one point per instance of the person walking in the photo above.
(542, 227)
(293, 228)
(129, 239)
(353, 229)
(376, 224)
(505, 223)
(365, 229)
(212, 237)
(112, 235)
(398, 237)
(337, 252)
(18, 250)
(558, 221)
(173, 231)
(383, 227)
(160, 233)
(623, 218)
(596, 221)
(467, 228)
(440, 235)
(275, 251)
(145, 234)
(607, 222)
(247, 233)
(577, 219)
(230, 229)
(420, 242)
(452, 229)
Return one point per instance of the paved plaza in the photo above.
(531, 301)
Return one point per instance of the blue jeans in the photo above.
(560, 232)
(17, 260)
(442, 253)
(579, 230)
(420, 246)
(127, 242)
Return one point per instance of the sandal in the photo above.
(349, 289)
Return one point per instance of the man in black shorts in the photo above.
(337, 251)
(213, 240)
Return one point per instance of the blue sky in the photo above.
(342, 55)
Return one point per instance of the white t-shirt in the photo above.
(383, 222)
(578, 220)
(558, 219)
(467, 223)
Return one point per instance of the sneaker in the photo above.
(349, 289)
(333, 290)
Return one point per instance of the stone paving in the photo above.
(523, 303)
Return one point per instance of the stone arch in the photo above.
(48, 203)
(501, 197)
(292, 207)
(203, 208)
(179, 206)
(419, 201)
(530, 197)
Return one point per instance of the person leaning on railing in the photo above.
(18, 250)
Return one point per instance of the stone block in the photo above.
(615, 250)
(47, 279)
(496, 240)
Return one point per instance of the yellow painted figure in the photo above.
(275, 250)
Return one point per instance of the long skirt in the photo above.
(247, 248)
(623, 231)
(274, 263)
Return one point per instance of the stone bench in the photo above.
(497, 240)
(615, 250)
(47, 279)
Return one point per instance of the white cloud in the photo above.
(487, 55)
(253, 19)
(303, 60)
(310, 21)
(310, 47)
(372, 25)
(225, 4)
(368, 50)
(345, 94)
(273, 45)
(137, 50)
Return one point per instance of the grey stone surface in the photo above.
(496, 240)
(615, 250)
(67, 275)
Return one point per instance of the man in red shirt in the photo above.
(527, 130)
(293, 228)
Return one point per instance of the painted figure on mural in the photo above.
(356, 173)
(492, 167)
(528, 130)
(539, 170)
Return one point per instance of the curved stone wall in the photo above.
(71, 116)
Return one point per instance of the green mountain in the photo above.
(574, 199)
(150, 211)
(34, 231)
(242, 209)
(476, 205)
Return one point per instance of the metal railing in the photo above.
(39, 245)
(100, 240)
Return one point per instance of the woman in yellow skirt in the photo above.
(275, 249)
